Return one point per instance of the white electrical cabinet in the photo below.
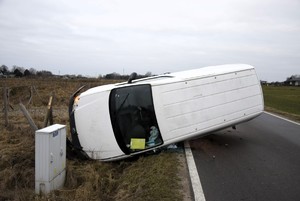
(50, 158)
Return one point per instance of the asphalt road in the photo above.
(260, 160)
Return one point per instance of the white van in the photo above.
(116, 121)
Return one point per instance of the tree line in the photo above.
(117, 76)
(293, 80)
(17, 71)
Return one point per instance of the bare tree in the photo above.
(148, 74)
(4, 69)
(32, 71)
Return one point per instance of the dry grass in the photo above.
(152, 177)
(138, 180)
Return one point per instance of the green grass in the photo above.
(283, 100)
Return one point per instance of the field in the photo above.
(152, 177)
(283, 100)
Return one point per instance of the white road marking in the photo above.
(282, 118)
(195, 179)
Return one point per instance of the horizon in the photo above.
(23, 69)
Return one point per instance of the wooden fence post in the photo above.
(5, 106)
(28, 117)
(31, 95)
(49, 116)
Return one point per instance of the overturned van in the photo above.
(116, 121)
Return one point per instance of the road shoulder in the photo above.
(194, 176)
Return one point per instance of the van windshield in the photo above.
(133, 118)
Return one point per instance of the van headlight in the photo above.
(75, 104)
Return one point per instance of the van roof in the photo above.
(193, 74)
(176, 77)
(212, 70)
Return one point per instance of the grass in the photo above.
(283, 100)
(141, 179)
(153, 177)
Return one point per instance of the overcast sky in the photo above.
(92, 37)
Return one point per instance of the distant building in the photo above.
(293, 80)
(264, 83)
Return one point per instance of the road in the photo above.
(260, 160)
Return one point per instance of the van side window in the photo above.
(133, 118)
